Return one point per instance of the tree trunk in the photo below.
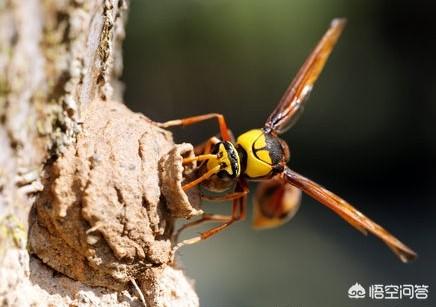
(62, 135)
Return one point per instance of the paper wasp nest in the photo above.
(103, 218)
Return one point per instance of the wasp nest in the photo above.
(106, 213)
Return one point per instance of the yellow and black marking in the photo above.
(227, 159)
(262, 153)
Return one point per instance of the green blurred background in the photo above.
(367, 134)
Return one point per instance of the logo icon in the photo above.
(356, 291)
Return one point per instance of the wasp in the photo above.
(225, 164)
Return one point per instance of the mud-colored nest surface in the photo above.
(107, 210)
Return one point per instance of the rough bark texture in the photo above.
(92, 169)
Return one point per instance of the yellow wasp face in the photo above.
(262, 154)
(227, 159)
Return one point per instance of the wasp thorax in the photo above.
(264, 154)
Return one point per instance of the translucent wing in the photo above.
(291, 104)
(348, 213)
(275, 203)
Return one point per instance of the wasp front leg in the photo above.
(202, 152)
(202, 178)
(224, 130)
(206, 147)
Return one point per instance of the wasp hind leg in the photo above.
(204, 219)
(215, 217)
(231, 196)
(238, 213)
(226, 222)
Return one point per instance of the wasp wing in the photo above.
(348, 213)
(291, 104)
(275, 203)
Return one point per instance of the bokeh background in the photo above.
(368, 134)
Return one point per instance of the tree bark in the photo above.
(60, 61)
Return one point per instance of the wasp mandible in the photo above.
(260, 155)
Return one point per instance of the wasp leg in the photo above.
(207, 234)
(224, 130)
(206, 147)
(238, 213)
(238, 203)
(204, 219)
(231, 196)
(202, 178)
(243, 202)
(216, 217)
(199, 158)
